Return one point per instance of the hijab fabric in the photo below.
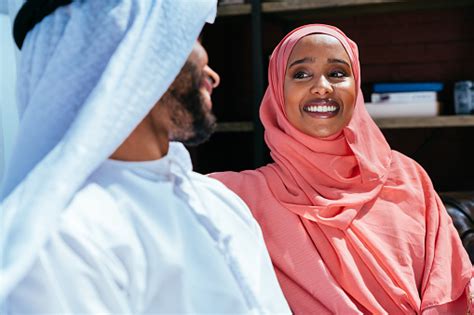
(352, 227)
(335, 176)
(89, 73)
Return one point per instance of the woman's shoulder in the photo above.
(239, 180)
(247, 184)
(407, 165)
(400, 158)
(408, 172)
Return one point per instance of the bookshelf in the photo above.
(383, 123)
(289, 7)
(234, 10)
(426, 122)
(236, 126)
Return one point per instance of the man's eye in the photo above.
(300, 75)
(338, 74)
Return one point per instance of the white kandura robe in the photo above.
(152, 237)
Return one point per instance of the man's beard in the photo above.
(192, 122)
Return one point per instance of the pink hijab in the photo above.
(352, 226)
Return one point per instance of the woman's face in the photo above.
(319, 88)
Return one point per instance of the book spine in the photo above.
(407, 87)
(404, 97)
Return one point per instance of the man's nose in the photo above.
(212, 75)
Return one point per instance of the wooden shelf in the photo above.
(338, 6)
(287, 6)
(234, 9)
(238, 126)
(383, 123)
(425, 122)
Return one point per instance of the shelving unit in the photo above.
(425, 122)
(361, 6)
(399, 40)
(234, 9)
(236, 126)
(383, 123)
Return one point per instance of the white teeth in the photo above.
(320, 108)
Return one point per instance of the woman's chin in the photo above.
(324, 133)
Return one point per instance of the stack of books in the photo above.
(404, 100)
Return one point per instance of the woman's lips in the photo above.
(322, 108)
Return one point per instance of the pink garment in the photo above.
(352, 226)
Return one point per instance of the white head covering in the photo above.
(89, 73)
(8, 108)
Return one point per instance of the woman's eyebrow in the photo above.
(300, 61)
(336, 60)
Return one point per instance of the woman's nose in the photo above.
(212, 75)
(321, 86)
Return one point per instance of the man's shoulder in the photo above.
(91, 196)
(93, 213)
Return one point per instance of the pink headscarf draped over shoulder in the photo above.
(352, 227)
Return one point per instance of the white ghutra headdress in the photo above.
(89, 73)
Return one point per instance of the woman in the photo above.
(352, 226)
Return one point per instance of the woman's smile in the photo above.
(322, 108)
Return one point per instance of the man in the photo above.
(137, 232)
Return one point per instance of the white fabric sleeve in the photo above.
(69, 277)
(91, 265)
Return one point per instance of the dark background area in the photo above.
(396, 44)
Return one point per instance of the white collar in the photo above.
(177, 158)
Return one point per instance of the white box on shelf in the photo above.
(404, 97)
(386, 110)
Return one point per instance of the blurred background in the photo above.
(415, 46)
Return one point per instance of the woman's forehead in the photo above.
(319, 44)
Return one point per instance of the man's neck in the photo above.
(145, 143)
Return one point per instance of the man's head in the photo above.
(188, 103)
(182, 114)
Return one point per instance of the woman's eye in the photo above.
(338, 74)
(300, 75)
